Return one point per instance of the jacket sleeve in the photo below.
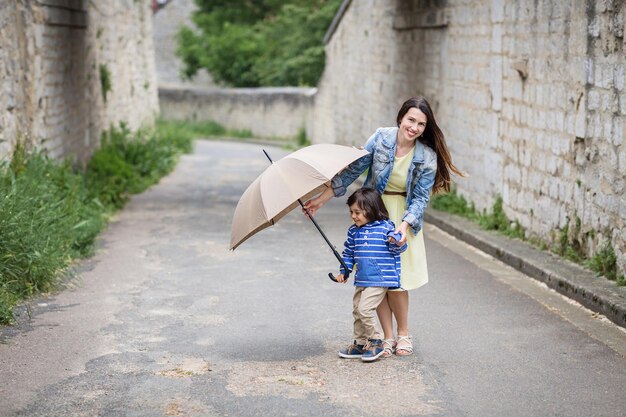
(348, 252)
(393, 247)
(414, 214)
(341, 181)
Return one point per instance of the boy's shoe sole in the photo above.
(350, 356)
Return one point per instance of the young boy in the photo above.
(372, 248)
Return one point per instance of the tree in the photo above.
(248, 43)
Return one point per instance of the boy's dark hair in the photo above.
(368, 200)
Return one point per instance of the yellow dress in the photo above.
(414, 271)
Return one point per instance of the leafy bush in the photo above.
(264, 43)
(129, 163)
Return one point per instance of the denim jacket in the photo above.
(382, 148)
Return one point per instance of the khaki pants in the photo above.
(364, 304)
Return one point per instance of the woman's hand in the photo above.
(403, 230)
(316, 203)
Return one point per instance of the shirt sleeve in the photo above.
(348, 252)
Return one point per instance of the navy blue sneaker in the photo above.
(353, 351)
(372, 350)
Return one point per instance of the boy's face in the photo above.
(358, 215)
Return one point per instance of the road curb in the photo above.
(596, 293)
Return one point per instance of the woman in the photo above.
(406, 164)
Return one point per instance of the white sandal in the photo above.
(389, 347)
(407, 347)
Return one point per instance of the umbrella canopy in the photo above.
(298, 176)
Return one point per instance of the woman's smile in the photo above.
(413, 124)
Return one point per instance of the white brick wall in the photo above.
(50, 57)
(552, 144)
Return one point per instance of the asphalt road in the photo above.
(165, 321)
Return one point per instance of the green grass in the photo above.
(568, 242)
(301, 138)
(211, 129)
(51, 212)
(46, 219)
(604, 262)
(206, 129)
(495, 220)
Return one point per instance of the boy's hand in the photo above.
(340, 278)
(395, 238)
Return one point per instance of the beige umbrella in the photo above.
(285, 184)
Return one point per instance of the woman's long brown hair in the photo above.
(434, 138)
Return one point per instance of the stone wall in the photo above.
(167, 23)
(366, 78)
(266, 112)
(53, 57)
(530, 95)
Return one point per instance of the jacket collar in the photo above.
(375, 223)
(390, 137)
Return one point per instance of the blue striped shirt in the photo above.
(377, 261)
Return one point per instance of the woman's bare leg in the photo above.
(385, 317)
(399, 304)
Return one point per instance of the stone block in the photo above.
(590, 68)
(580, 120)
(61, 16)
(618, 74)
(566, 191)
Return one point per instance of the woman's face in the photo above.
(412, 125)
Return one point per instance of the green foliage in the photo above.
(178, 130)
(129, 163)
(495, 220)
(105, 80)
(294, 56)
(51, 213)
(455, 204)
(194, 129)
(302, 139)
(264, 43)
(46, 218)
(568, 245)
(239, 133)
(604, 262)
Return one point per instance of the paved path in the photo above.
(164, 321)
